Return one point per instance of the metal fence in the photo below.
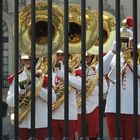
(66, 83)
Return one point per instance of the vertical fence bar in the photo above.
(66, 79)
(135, 79)
(1, 68)
(100, 21)
(83, 34)
(50, 69)
(118, 44)
(16, 29)
(33, 62)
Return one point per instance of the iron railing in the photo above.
(66, 83)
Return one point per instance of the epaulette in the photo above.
(78, 72)
(45, 82)
(11, 77)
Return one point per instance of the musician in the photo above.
(126, 92)
(58, 113)
(41, 110)
(59, 56)
(92, 101)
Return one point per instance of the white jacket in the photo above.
(41, 105)
(126, 85)
(58, 114)
(93, 101)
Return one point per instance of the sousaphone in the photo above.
(41, 24)
(41, 44)
(108, 38)
(75, 38)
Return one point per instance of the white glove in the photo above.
(60, 74)
(113, 47)
(21, 91)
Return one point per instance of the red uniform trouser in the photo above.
(41, 133)
(92, 124)
(58, 129)
(127, 126)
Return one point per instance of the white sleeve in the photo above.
(53, 96)
(108, 58)
(138, 69)
(106, 62)
(10, 95)
(75, 81)
(105, 85)
(44, 94)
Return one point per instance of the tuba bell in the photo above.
(75, 29)
(108, 33)
(41, 24)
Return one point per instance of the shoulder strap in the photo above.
(11, 77)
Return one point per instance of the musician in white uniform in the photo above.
(92, 101)
(126, 91)
(58, 113)
(41, 110)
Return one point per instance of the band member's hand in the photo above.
(38, 73)
(60, 74)
(25, 86)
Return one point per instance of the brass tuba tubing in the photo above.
(41, 24)
(128, 55)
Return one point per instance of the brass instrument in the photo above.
(74, 61)
(41, 45)
(127, 48)
(75, 29)
(90, 85)
(108, 38)
(75, 44)
(41, 24)
(128, 55)
(59, 87)
(108, 33)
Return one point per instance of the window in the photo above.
(5, 55)
(5, 67)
